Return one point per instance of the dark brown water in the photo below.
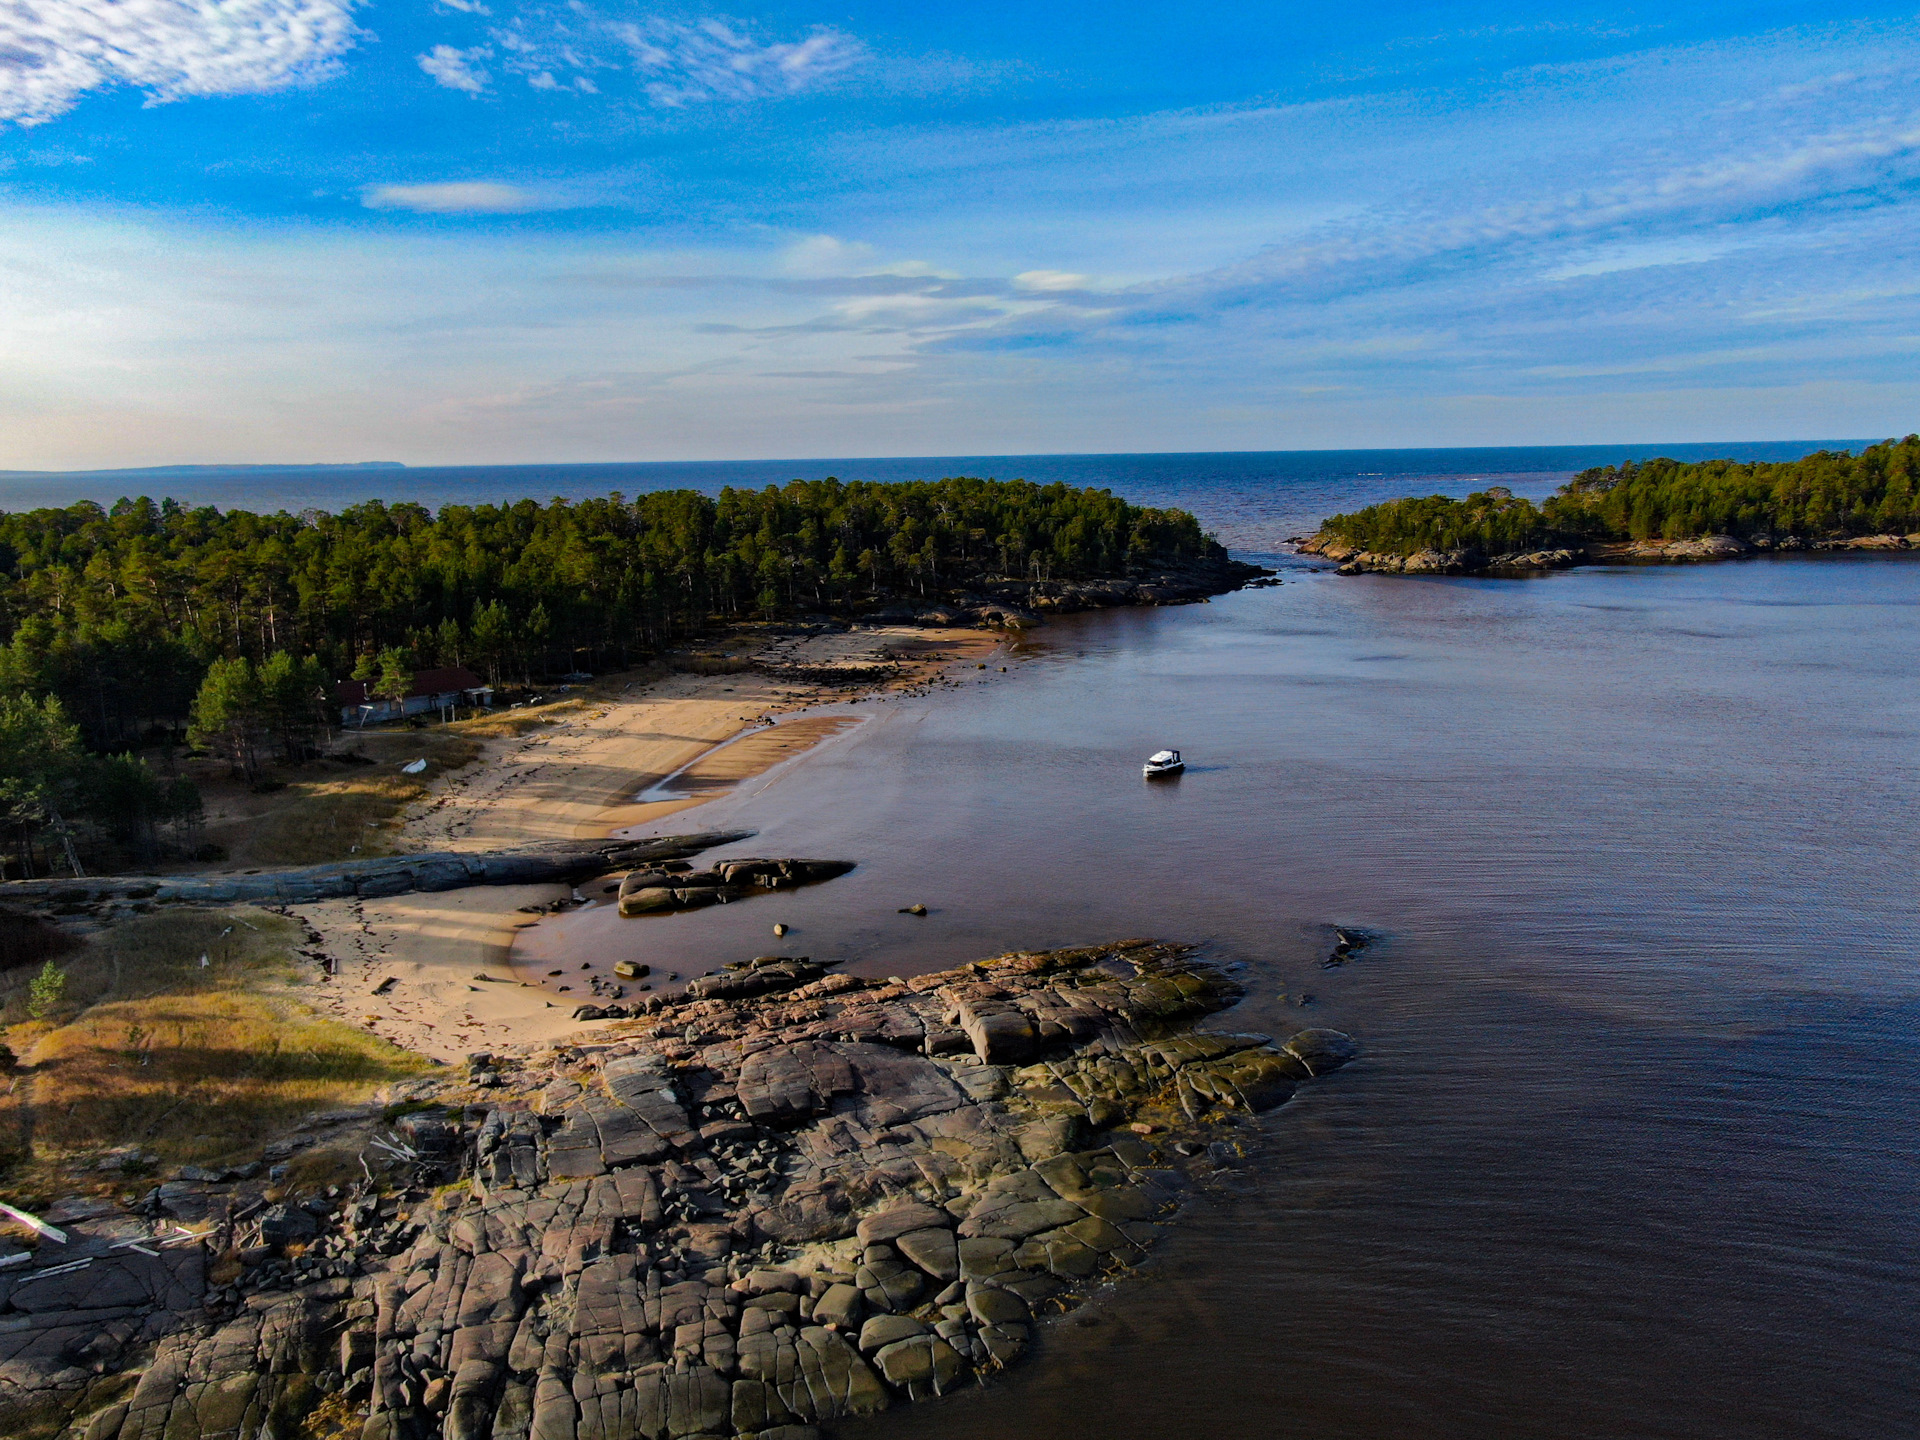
(1632, 1147)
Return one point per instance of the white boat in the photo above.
(1163, 762)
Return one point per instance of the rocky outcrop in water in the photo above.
(1016, 604)
(658, 889)
(1352, 560)
(746, 1215)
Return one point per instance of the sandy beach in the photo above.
(409, 968)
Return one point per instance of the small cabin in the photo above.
(433, 690)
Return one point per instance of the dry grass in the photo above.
(349, 816)
(191, 1064)
(353, 815)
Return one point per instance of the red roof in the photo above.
(425, 682)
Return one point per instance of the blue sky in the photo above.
(467, 231)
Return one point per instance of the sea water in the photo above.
(1630, 1150)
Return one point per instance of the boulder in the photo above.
(901, 1219)
(933, 1251)
(842, 1305)
(889, 1285)
(1001, 1035)
(647, 901)
(882, 1330)
(923, 1366)
(992, 1305)
(1321, 1051)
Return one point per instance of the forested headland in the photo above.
(144, 622)
(1824, 496)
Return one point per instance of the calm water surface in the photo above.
(1631, 1149)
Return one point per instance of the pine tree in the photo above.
(229, 713)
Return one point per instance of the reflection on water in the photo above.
(1630, 1150)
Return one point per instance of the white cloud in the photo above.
(676, 63)
(719, 60)
(54, 51)
(458, 197)
(455, 69)
(1050, 280)
(826, 255)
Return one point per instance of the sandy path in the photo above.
(574, 780)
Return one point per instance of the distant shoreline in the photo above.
(1352, 560)
(294, 468)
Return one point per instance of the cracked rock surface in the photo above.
(739, 1215)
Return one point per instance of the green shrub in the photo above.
(46, 992)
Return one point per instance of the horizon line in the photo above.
(205, 469)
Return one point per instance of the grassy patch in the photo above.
(348, 816)
(191, 1063)
(351, 815)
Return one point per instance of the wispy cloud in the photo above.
(52, 52)
(724, 60)
(457, 69)
(457, 197)
(673, 63)
(1044, 280)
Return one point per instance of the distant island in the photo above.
(266, 469)
(1654, 510)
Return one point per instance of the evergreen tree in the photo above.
(395, 679)
(448, 646)
(229, 713)
(293, 695)
(491, 633)
(41, 760)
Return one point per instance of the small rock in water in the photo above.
(780, 929)
(1347, 944)
(913, 909)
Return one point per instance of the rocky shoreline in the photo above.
(1016, 604)
(102, 898)
(1352, 560)
(753, 1211)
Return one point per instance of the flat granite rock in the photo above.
(739, 1214)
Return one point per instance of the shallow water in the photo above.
(1630, 1151)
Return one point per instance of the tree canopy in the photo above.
(1829, 494)
(122, 611)
(121, 623)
